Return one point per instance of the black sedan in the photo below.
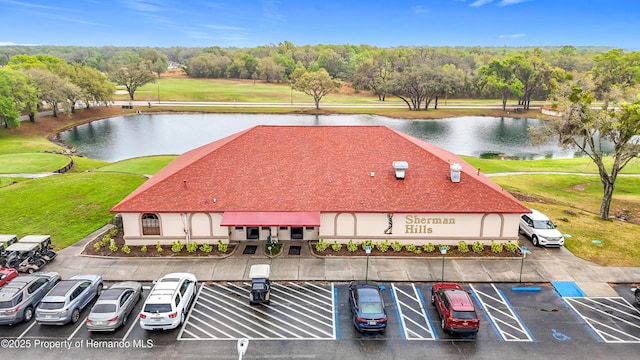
(367, 307)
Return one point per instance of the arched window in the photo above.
(150, 224)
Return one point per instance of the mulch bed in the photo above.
(451, 253)
(151, 250)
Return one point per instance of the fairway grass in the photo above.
(32, 163)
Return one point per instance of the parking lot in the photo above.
(303, 311)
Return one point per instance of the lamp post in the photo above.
(443, 251)
(243, 344)
(367, 249)
(524, 255)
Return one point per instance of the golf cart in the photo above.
(260, 284)
(25, 257)
(5, 241)
(44, 245)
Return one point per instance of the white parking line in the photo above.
(411, 308)
(81, 324)
(627, 315)
(500, 313)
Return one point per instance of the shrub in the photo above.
(113, 247)
(429, 247)
(396, 246)
(275, 248)
(223, 247)
(410, 248)
(192, 247)
(336, 246)
(478, 247)
(97, 246)
(445, 246)
(383, 246)
(352, 246)
(496, 248)
(463, 248)
(512, 247)
(106, 240)
(206, 248)
(159, 247)
(177, 246)
(144, 249)
(366, 243)
(126, 249)
(113, 232)
(322, 245)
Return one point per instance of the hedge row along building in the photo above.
(338, 183)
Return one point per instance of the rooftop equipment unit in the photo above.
(455, 172)
(400, 167)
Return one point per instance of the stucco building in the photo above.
(338, 183)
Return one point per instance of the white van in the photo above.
(167, 305)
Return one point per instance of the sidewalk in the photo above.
(543, 265)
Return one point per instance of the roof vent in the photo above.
(455, 172)
(400, 167)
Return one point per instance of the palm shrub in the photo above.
(159, 248)
(512, 247)
(113, 247)
(463, 248)
(336, 246)
(383, 246)
(192, 247)
(144, 249)
(206, 248)
(177, 246)
(429, 247)
(97, 246)
(478, 247)
(126, 249)
(410, 248)
(396, 246)
(322, 245)
(352, 246)
(496, 247)
(223, 247)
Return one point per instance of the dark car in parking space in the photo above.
(367, 307)
(457, 312)
(19, 298)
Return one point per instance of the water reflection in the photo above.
(126, 137)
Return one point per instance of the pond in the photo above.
(125, 137)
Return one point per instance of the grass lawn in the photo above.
(147, 165)
(68, 207)
(31, 163)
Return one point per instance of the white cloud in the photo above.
(510, 2)
(512, 36)
(479, 3)
(420, 9)
(146, 5)
(11, 43)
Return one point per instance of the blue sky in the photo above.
(389, 23)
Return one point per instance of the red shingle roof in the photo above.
(318, 168)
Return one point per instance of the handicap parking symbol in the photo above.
(559, 336)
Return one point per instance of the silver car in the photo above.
(67, 299)
(113, 307)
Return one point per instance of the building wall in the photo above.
(414, 229)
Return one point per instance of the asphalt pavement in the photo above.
(541, 266)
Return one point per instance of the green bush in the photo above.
(463, 248)
(177, 246)
(478, 247)
(126, 249)
(144, 249)
(159, 247)
(97, 246)
(512, 247)
(192, 247)
(206, 248)
(113, 232)
(410, 248)
(113, 247)
(223, 247)
(496, 247)
(383, 246)
(336, 246)
(366, 243)
(429, 248)
(352, 246)
(106, 240)
(322, 245)
(445, 246)
(396, 246)
(275, 248)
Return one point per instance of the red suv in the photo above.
(457, 313)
